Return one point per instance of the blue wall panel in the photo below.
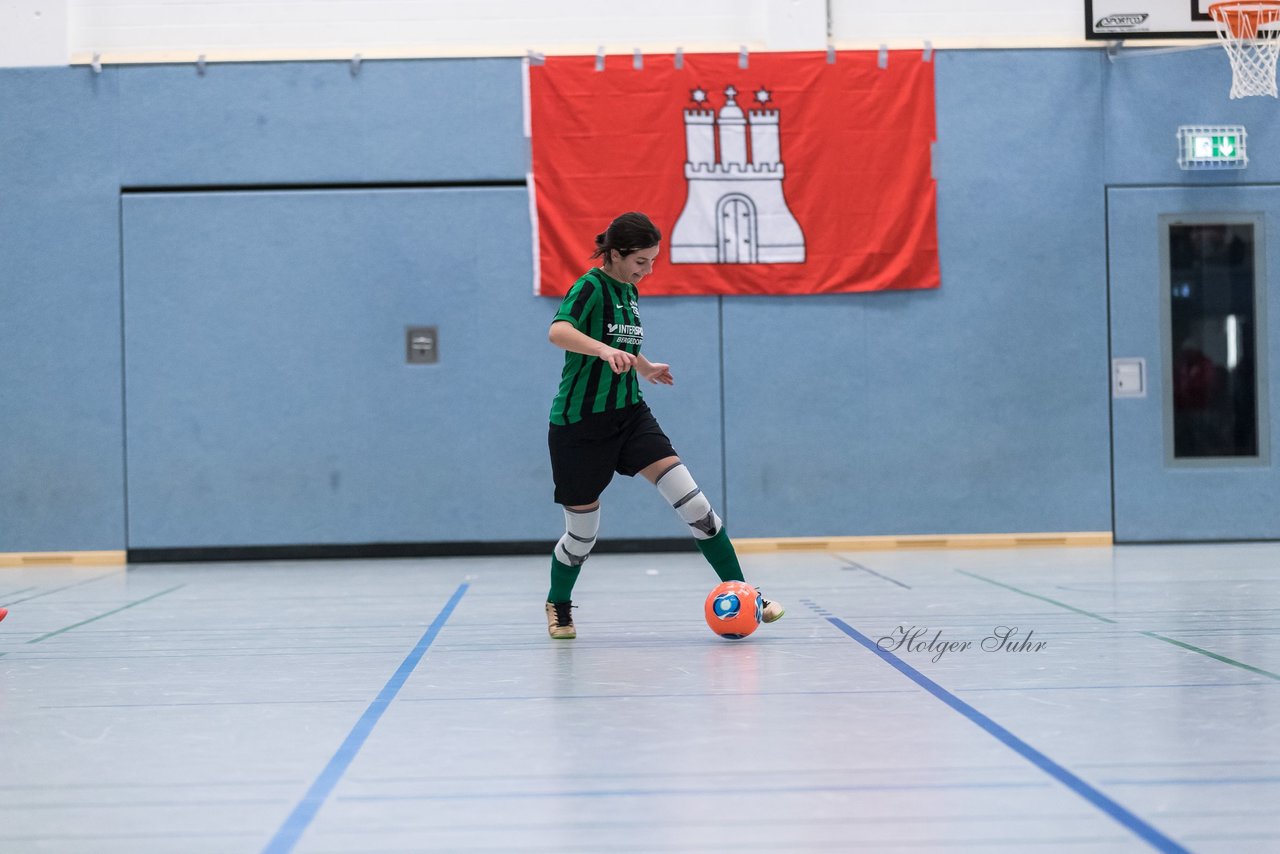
(977, 407)
(298, 123)
(268, 396)
(1146, 98)
(71, 139)
(981, 406)
(61, 435)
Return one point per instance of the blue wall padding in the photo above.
(205, 279)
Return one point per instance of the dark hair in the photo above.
(627, 233)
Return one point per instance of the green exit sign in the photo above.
(1211, 147)
(1215, 147)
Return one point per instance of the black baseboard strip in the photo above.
(354, 551)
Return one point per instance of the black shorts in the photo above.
(585, 455)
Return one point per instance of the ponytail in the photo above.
(628, 233)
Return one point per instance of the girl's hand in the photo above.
(656, 372)
(620, 360)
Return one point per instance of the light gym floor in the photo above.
(418, 705)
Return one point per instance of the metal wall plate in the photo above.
(1128, 377)
(421, 345)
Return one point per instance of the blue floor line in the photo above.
(298, 821)
(1142, 829)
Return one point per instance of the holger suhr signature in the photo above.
(916, 639)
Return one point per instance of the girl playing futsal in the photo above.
(600, 423)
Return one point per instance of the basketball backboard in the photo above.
(1114, 20)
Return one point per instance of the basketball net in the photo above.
(1249, 31)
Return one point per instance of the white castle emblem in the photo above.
(735, 212)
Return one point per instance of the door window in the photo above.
(1213, 331)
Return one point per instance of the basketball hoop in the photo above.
(1249, 30)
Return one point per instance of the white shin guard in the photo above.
(682, 493)
(579, 536)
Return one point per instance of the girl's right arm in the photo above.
(566, 337)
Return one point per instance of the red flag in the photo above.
(791, 176)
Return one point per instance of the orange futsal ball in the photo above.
(733, 609)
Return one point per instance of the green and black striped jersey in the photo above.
(606, 309)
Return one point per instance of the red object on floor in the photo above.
(4, 612)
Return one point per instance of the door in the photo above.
(737, 230)
(1193, 408)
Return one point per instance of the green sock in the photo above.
(720, 554)
(563, 577)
